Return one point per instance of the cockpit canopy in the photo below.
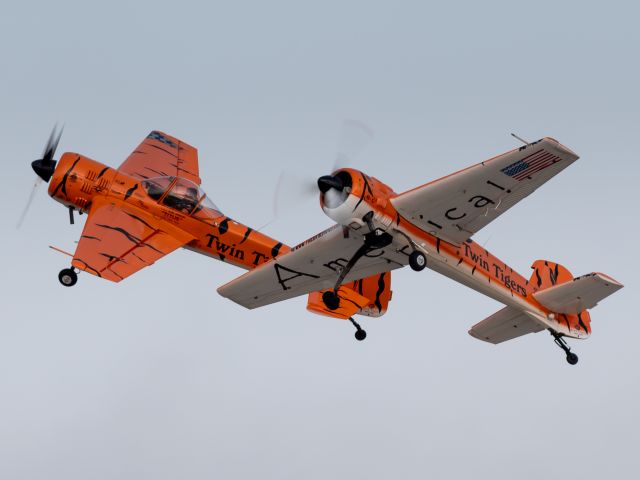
(178, 193)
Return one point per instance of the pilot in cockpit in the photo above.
(182, 197)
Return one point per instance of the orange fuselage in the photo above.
(79, 181)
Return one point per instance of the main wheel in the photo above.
(361, 335)
(68, 277)
(417, 261)
(572, 358)
(331, 300)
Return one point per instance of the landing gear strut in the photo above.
(360, 333)
(572, 358)
(417, 259)
(68, 277)
(373, 240)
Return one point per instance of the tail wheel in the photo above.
(417, 260)
(68, 277)
(572, 358)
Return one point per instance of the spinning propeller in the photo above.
(353, 138)
(43, 167)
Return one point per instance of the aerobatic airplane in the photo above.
(147, 208)
(378, 231)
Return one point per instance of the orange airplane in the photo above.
(148, 207)
(431, 226)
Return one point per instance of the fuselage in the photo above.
(78, 181)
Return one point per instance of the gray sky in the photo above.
(158, 377)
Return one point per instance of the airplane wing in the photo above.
(505, 324)
(161, 155)
(119, 239)
(313, 265)
(455, 207)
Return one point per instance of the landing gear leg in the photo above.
(372, 241)
(360, 333)
(417, 259)
(572, 358)
(68, 277)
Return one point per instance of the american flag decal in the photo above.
(529, 165)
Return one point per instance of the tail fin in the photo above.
(548, 274)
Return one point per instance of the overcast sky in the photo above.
(158, 377)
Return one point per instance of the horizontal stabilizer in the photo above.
(580, 294)
(505, 324)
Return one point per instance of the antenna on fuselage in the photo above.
(521, 139)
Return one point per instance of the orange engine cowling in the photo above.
(77, 179)
(348, 195)
(369, 296)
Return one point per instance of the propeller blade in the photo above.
(45, 166)
(32, 195)
(52, 144)
(291, 189)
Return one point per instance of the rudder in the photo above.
(548, 274)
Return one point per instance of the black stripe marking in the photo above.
(63, 183)
(224, 226)
(139, 258)
(130, 237)
(135, 217)
(364, 191)
(102, 172)
(112, 258)
(165, 151)
(131, 190)
(180, 169)
(539, 278)
(352, 301)
(87, 266)
(246, 235)
(381, 287)
(159, 172)
(582, 323)
(276, 249)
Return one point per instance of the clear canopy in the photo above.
(180, 194)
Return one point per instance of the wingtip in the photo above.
(562, 148)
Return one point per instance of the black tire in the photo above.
(572, 358)
(360, 335)
(417, 261)
(68, 277)
(331, 300)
